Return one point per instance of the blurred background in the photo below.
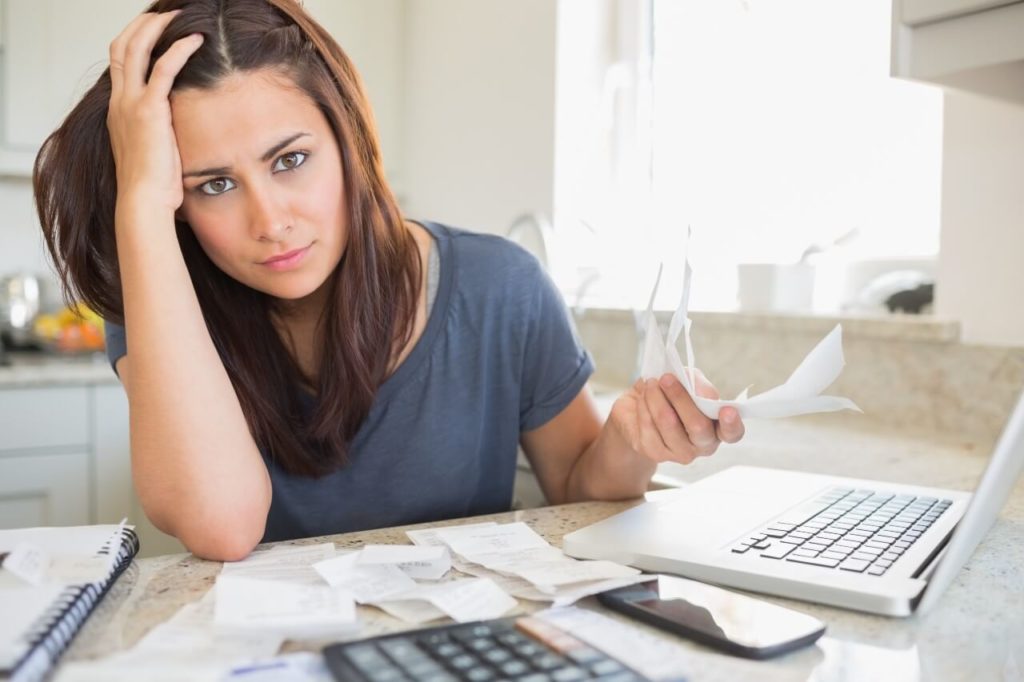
(814, 160)
(596, 132)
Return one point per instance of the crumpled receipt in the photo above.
(800, 394)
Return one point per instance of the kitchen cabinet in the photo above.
(971, 45)
(52, 51)
(65, 460)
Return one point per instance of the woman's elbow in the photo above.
(221, 542)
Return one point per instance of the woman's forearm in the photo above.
(195, 465)
(609, 469)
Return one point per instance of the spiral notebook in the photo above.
(39, 621)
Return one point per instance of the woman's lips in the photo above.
(286, 261)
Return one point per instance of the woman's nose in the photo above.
(267, 218)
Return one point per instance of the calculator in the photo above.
(525, 648)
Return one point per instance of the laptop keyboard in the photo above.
(863, 531)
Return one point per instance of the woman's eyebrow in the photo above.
(267, 155)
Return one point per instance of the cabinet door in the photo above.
(53, 51)
(44, 490)
(44, 418)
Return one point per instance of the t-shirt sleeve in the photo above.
(117, 345)
(556, 366)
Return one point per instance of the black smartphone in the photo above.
(728, 621)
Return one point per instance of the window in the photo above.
(767, 126)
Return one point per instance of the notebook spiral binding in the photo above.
(51, 635)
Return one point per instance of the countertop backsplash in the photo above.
(907, 372)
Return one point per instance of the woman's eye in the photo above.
(216, 186)
(290, 161)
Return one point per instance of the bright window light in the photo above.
(774, 126)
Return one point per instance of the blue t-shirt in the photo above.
(499, 356)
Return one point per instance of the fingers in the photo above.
(170, 63)
(651, 443)
(131, 49)
(730, 425)
(667, 422)
(699, 429)
(140, 45)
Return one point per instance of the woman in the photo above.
(298, 358)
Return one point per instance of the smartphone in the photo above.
(728, 621)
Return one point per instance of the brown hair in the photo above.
(373, 293)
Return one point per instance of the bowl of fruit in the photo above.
(71, 330)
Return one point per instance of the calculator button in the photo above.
(462, 662)
(569, 674)
(398, 649)
(470, 633)
(497, 656)
(434, 639)
(536, 677)
(547, 661)
(514, 668)
(421, 668)
(366, 656)
(386, 674)
(448, 650)
(480, 644)
(529, 650)
(512, 638)
(479, 675)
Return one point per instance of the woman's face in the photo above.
(262, 182)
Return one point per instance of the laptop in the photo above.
(859, 544)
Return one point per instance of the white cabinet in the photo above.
(44, 489)
(54, 51)
(51, 51)
(971, 45)
(65, 461)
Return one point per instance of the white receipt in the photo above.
(411, 610)
(367, 584)
(480, 541)
(422, 563)
(294, 610)
(550, 575)
(655, 658)
(800, 394)
(465, 600)
(523, 564)
(429, 537)
(288, 564)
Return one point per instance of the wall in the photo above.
(372, 34)
(980, 277)
(478, 129)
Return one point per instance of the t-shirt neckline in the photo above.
(438, 313)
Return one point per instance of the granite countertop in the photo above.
(28, 369)
(976, 633)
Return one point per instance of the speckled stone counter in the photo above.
(976, 634)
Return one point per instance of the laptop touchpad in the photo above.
(708, 516)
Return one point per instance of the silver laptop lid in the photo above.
(996, 483)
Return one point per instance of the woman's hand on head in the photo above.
(139, 117)
(660, 421)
